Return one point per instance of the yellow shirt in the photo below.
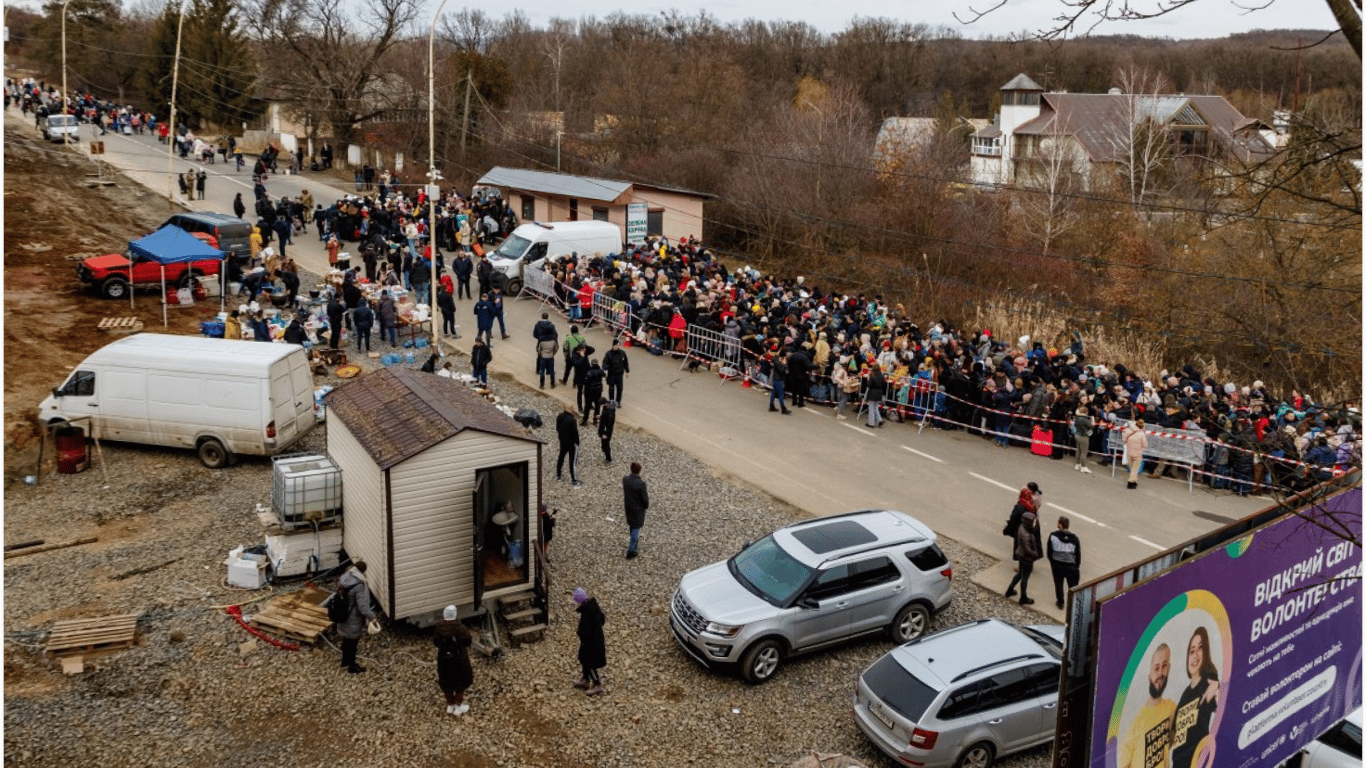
(1147, 743)
(256, 241)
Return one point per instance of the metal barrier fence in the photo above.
(612, 313)
(538, 281)
(712, 346)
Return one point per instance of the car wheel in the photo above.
(114, 288)
(761, 661)
(514, 287)
(213, 454)
(185, 279)
(910, 622)
(979, 755)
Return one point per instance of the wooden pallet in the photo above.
(297, 617)
(120, 324)
(74, 640)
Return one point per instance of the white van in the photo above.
(531, 243)
(216, 396)
(57, 126)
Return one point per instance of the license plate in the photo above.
(877, 710)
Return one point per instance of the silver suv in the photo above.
(964, 696)
(810, 585)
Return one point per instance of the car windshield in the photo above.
(62, 120)
(769, 572)
(513, 247)
(899, 689)
(1049, 644)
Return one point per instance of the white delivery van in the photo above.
(530, 244)
(215, 396)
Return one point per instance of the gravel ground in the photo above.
(192, 694)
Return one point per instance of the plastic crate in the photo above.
(214, 329)
(307, 489)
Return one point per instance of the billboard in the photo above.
(1239, 657)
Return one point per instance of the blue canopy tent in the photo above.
(173, 245)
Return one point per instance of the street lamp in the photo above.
(171, 135)
(433, 176)
(66, 141)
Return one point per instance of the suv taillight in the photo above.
(947, 572)
(270, 430)
(922, 739)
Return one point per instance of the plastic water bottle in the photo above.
(411, 359)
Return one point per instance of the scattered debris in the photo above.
(50, 547)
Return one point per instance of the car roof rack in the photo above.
(997, 663)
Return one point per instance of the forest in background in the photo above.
(1253, 271)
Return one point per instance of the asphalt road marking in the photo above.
(1149, 543)
(857, 429)
(1077, 515)
(994, 482)
(926, 455)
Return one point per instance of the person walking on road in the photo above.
(546, 349)
(484, 314)
(1027, 550)
(607, 422)
(200, 179)
(1135, 443)
(1064, 558)
(571, 342)
(777, 383)
(445, 300)
(592, 390)
(567, 429)
(1082, 427)
(239, 208)
(353, 589)
(496, 299)
(453, 671)
(617, 367)
(592, 642)
(637, 500)
(463, 269)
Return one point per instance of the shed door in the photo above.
(480, 508)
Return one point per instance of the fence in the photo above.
(539, 281)
(1179, 445)
(713, 347)
(612, 313)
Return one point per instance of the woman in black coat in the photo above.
(453, 671)
(592, 643)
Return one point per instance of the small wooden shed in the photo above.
(439, 492)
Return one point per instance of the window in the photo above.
(964, 701)
(573, 209)
(654, 222)
(1006, 687)
(769, 572)
(81, 384)
(986, 146)
(928, 559)
(871, 572)
(1041, 680)
(600, 213)
(832, 582)
(528, 208)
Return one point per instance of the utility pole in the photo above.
(465, 123)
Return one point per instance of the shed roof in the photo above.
(566, 185)
(397, 414)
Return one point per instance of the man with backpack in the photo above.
(354, 595)
(571, 342)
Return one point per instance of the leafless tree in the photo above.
(1053, 174)
(1139, 141)
(332, 50)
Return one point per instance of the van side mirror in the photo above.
(56, 391)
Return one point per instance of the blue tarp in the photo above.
(173, 245)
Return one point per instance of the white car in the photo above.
(57, 125)
(1339, 747)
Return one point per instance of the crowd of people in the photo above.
(862, 354)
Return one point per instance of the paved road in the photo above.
(960, 485)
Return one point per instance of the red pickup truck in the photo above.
(109, 274)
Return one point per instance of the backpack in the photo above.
(339, 607)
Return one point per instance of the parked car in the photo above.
(109, 274)
(1339, 747)
(229, 232)
(57, 126)
(964, 696)
(810, 585)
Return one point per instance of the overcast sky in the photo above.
(1204, 18)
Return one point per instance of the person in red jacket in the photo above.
(677, 326)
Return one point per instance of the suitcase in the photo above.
(1041, 442)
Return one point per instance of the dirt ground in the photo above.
(54, 217)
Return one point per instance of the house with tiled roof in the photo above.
(1093, 131)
